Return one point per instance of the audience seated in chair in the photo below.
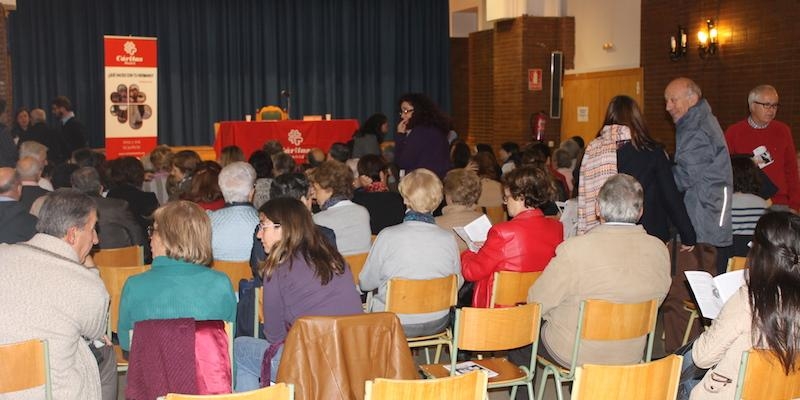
(238, 219)
(179, 284)
(303, 275)
(524, 244)
(415, 249)
(385, 208)
(184, 164)
(30, 172)
(617, 261)
(462, 188)
(18, 224)
(333, 190)
(204, 188)
(485, 165)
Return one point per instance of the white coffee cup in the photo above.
(327, 117)
(248, 117)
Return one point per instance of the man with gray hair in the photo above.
(616, 261)
(47, 293)
(30, 172)
(770, 144)
(16, 223)
(40, 132)
(236, 221)
(116, 225)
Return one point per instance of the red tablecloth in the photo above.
(297, 137)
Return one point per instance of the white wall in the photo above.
(597, 22)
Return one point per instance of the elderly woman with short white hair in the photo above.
(414, 249)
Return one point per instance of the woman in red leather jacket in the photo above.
(524, 244)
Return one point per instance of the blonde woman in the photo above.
(180, 284)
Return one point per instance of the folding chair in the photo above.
(471, 386)
(656, 380)
(761, 376)
(407, 296)
(604, 320)
(495, 329)
(25, 365)
(114, 278)
(120, 257)
(356, 263)
(278, 391)
(511, 288)
(236, 271)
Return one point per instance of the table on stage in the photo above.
(297, 137)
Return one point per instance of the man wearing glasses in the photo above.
(771, 145)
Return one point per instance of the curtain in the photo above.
(219, 60)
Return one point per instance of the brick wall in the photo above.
(459, 84)
(5, 63)
(759, 43)
(500, 104)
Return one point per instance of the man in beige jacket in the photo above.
(616, 261)
(47, 293)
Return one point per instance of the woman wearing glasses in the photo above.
(303, 275)
(421, 140)
(179, 283)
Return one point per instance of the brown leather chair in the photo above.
(332, 357)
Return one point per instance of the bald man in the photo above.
(30, 172)
(703, 172)
(771, 145)
(16, 224)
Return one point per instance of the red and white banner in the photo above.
(131, 93)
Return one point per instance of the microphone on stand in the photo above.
(285, 93)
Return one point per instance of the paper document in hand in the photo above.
(475, 231)
(712, 292)
(469, 366)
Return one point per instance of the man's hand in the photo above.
(687, 249)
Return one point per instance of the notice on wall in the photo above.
(131, 95)
(583, 114)
(535, 79)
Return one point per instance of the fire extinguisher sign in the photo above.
(535, 79)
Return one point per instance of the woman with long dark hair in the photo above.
(421, 140)
(367, 140)
(764, 313)
(303, 275)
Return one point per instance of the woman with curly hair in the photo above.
(421, 140)
(524, 244)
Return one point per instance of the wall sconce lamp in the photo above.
(708, 39)
(678, 44)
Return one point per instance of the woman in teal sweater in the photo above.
(180, 284)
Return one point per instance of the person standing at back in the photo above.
(421, 140)
(73, 132)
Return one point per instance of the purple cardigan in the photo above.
(296, 292)
(423, 147)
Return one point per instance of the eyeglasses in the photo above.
(264, 226)
(151, 230)
(406, 111)
(768, 106)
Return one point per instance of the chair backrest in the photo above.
(271, 113)
(114, 278)
(258, 314)
(120, 257)
(407, 296)
(356, 263)
(604, 320)
(278, 391)
(496, 214)
(761, 376)
(493, 329)
(470, 386)
(25, 365)
(511, 288)
(737, 263)
(236, 271)
(656, 380)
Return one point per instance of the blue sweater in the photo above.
(175, 289)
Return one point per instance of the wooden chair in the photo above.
(406, 296)
(25, 365)
(657, 380)
(496, 214)
(121, 257)
(495, 329)
(114, 278)
(761, 376)
(236, 271)
(471, 386)
(356, 263)
(734, 264)
(511, 288)
(278, 391)
(604, 320)
(271, 113)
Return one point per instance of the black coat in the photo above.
(74, 135)
(16, 223)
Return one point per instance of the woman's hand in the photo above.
(401, 127)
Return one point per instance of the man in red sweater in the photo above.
(771, 144)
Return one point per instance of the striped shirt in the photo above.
(746, 210)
